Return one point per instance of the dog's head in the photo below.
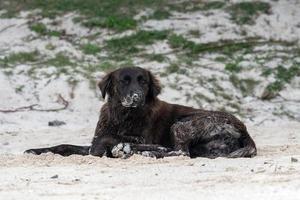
(131, 86)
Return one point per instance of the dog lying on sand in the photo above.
(134, 120)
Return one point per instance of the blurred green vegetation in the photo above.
(246, 12)
(117, 37)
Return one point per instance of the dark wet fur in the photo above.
(63, 149)
(195, 132)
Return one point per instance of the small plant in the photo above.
(8, 72)
(178, 41)
(245, 12)
(195, 33)
(200, 97)
(60, 60)
(8, 14)
(271, 91)
(39, 28)
(19, 89)
(191, 6)
(213, 5)
(266, 72)
(90, 49)
(129, 44)
(221, 59)
(246, 85)
(233, 67)
(160, 14)
(172, 68)
(283, 76)
(227, 47)
(112, 22)
(42, 30)
(21, 57)
(157, 57)
(286, 74)
(106, 66)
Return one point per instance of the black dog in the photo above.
(134, 120)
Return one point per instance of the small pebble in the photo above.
(294, 159)
(55, 176)
(56, 123)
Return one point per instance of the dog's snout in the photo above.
(133, 99)
(135, 96)
(128, 99)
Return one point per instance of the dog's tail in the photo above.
(248, 147)
(63, 149)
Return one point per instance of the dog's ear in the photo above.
(154, 86)
(105, 85)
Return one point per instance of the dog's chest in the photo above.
(130, 123)
(132, 126)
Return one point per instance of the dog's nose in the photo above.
(128, 99)
(135, 97)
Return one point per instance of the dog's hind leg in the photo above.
(205, 136)
(63, 149)
(248, 147)
(213, 136)
(184, 133)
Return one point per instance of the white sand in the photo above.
(270, 175)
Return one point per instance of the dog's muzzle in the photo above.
(133, 100)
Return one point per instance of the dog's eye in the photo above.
(126, 80)
(141, 80)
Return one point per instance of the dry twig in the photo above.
(32, 107)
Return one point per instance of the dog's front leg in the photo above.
(104, 138)
(63, 149)
(103, 144)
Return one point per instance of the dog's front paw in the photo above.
(30, 151)
(122, 150)
(177, 153)
(34, 151)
